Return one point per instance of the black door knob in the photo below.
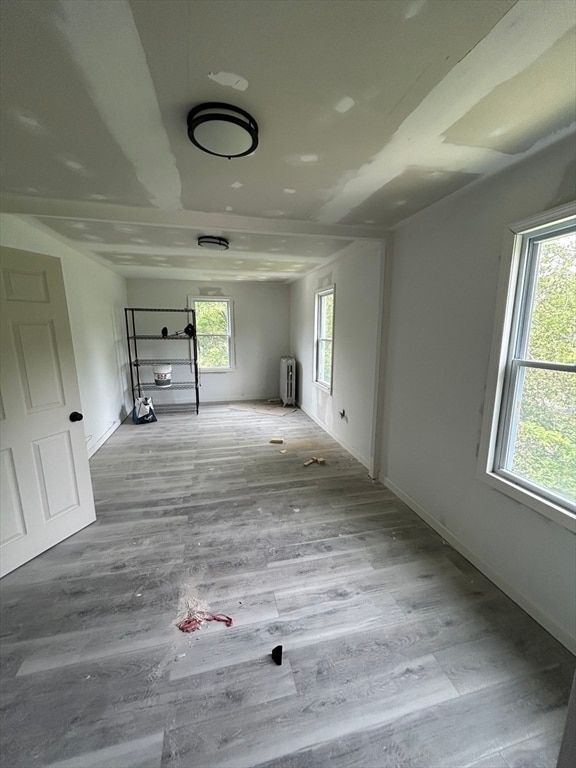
(75, 416)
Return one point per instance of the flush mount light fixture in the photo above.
(213, 243)
(222, 130)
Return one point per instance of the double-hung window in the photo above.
(324, 327)
(214, 333)
(531, 445)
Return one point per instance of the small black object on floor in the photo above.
(277, 654)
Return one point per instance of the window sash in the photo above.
(323, 340)
(324, 351)
(201, 336)
(517, 363)
(227, 336)
(323, 332)
(509, 426)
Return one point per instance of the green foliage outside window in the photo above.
(545, 448)
(327, 316)
(324, 341)
(213, 333)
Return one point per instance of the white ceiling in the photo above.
(369, 111)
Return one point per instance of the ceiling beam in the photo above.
(208, 222)
(194, 252)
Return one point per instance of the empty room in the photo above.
(288, 383)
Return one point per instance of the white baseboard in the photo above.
(101, 440)
(244, 398)
(525, 603)
(365, 462)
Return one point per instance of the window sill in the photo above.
(216, 370)
(540, 505)
(324, 387)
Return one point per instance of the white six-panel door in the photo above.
(45, 485)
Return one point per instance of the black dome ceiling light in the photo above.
(213, 243)
(222, 130)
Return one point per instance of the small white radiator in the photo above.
(287, 380)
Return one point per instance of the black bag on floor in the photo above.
(143, 411)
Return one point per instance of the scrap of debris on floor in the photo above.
(312, 460)
(194, 613)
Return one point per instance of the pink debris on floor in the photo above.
(194, 612)
(192, 623)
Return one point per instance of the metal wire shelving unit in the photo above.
(136, 363)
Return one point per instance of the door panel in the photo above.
(46, 492)
(12, 525)
(26, 286)
(39, 365)
(56, 474)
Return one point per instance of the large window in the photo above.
(214, 333)
(533, 431)
(324, 336)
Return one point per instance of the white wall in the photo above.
(356, 276)
(96, 298)
(261, 330)
(445, 267)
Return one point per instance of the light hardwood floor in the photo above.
(397, 652)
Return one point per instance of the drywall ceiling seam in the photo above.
(103, 39)
(73, 245)
(541, 145)
(524, 34)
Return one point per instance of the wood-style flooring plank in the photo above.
(453, 733)
(398, 653)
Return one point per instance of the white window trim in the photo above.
(322, 291)
(509, 268)
(231, 336)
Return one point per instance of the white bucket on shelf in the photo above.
(163, 375)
